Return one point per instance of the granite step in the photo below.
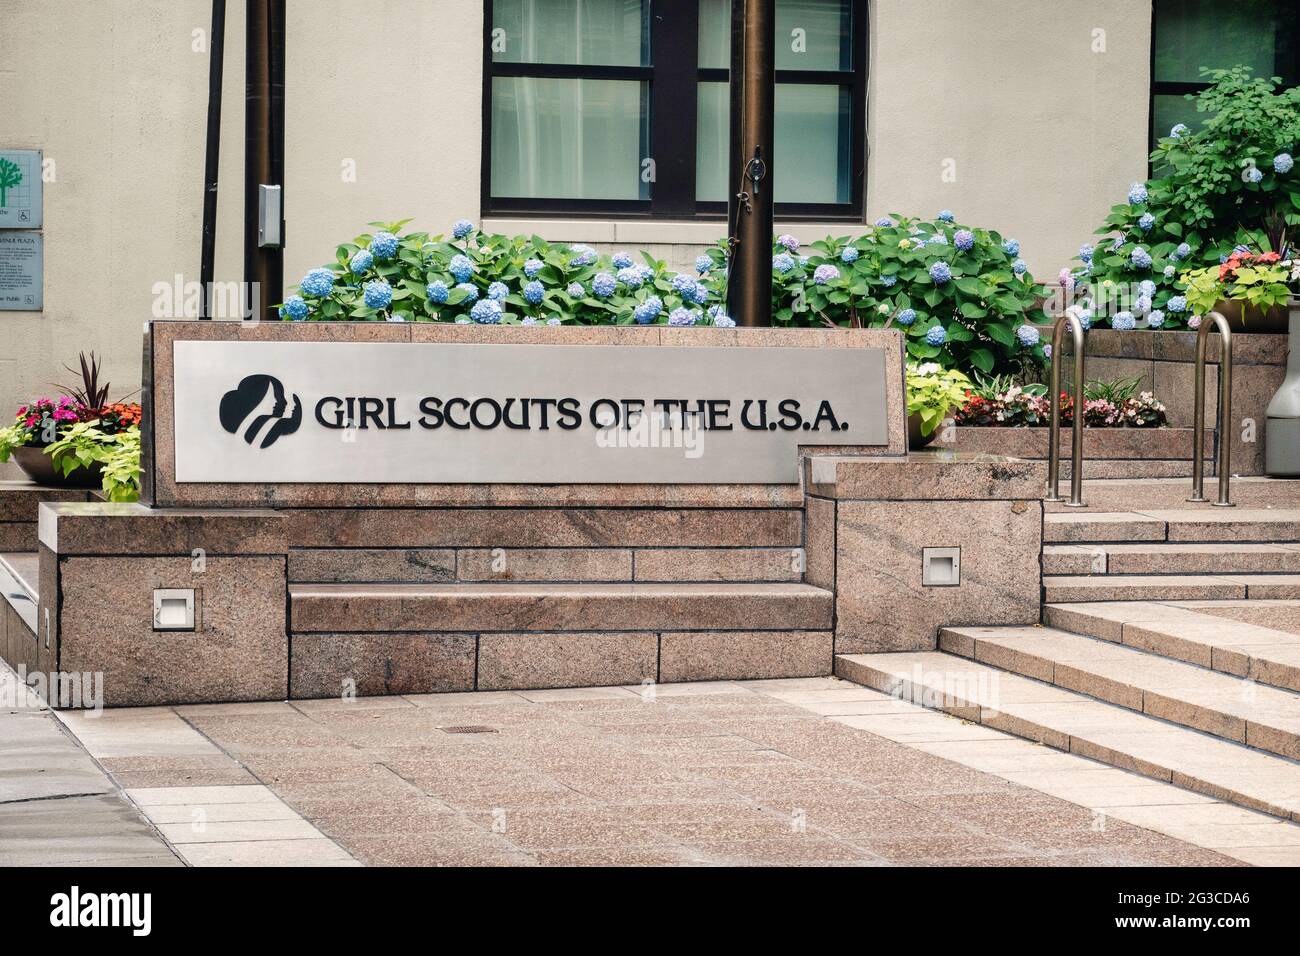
(1192, 524)
(1167, 558)
(1074, 722)
(544, 607)
(1073, 588)
(1266, 655)
(19, 584)
(1226, 706)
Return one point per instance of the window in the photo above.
(620, 107)
(1190, 34)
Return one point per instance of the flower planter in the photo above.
(916, 440)
(1250, 318)
(39, 467)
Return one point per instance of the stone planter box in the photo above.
(1108, 452)
(1165, 363)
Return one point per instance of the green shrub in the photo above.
(962, 296)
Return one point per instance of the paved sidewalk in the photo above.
(57, 808)
(688, 774)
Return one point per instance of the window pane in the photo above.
(1170, 110)
(569, 139)
(813, 141)
(1195, 33)
(596, 32)
(810, 34)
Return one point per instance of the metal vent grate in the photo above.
(469, 729)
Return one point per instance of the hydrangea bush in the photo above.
(962, 296)
(1226, 189)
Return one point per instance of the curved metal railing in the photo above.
(1054, 431)
(1221, 463)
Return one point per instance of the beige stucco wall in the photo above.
(1045, 135)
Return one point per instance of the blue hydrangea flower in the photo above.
(682, 283)
(1011, 247)
(1177, 303)
(1170, 272)
(1028, 336)
(1137, 194)
(889, 281)
(631, 277)
(703, 264)
(1085, 252)
(790, 242)
(470, 290)
(906, 317)
(1047, 350)
(528, 320)
(884, 222)
(648, 311)
(1147, 222)
(461, 228)
(1179, 130)
(622, 260)
(964, 240)
(533, 266)
(1183, 251)
(296, 308)
(533, 292)
(1140, 258)
(782, 263)
(461, 267)
(1253, 174)
(377, 294)
(1142, 306)
(1156, 319)
(720, 317)
(1283, 163)
(940, 272)
(681, 316)
(1146, 287)
(849, 254)
(604, 285)
(361, 260)
(318, 283)
(575, 290)
(461, 320)
(384, 245)
(395, 317)
(486, 312)
(699, 294)
(945, 215)
(584, 255)
(1123, 321)
(554, 320)
(1019, 267)
(936, 335)
(825, 273)
(938, 239)
(436, 291)
(498, 291)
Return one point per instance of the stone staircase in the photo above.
(1180, 554)
(496, 598)
(1170, 647)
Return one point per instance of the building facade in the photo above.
(1026, 116)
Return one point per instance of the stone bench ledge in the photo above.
(110, 528)
(927, 476)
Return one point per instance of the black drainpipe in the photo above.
(263, 147)
(216, 65)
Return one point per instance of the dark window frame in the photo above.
(1290, 67)
(673, 77)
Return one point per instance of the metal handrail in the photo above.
(1224, 416)
(1054, 431)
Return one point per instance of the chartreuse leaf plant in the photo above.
(933, 391)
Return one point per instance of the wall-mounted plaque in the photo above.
(375, 413)
(22, 271)
(21, 195)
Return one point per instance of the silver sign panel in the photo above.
(345, 412)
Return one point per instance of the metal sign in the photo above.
(22, 271)
(373, 413)
(21, 189)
